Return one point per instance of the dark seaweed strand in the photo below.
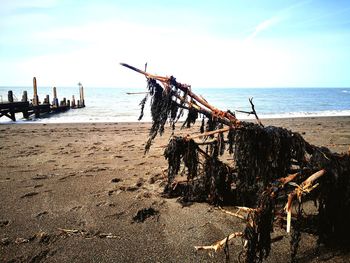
(202, 125)
(179, 150)
(142, 104)
(296, 234)
(218, 178)
(156, 92)
(174, 153)
(334, 197)
(259, 227)
(162, 108)
(264, 223)
(221, 141)
(191, 159)
(191, 116)
(231, 140)
(251, 236)
(182, 103)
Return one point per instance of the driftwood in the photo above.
(272, 166)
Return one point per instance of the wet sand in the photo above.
(69, 193)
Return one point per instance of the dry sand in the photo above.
(92, 179)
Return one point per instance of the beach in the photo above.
(72, 192)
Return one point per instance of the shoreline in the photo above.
(70, 192)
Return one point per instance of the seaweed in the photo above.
(162, 108)
(142, 104)
(264, 161)
(191, 117)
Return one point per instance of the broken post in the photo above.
(10, 96)
(73, 101)
(81, 94)
(47, 99)
(10, 99)
(35, 96)
(55, 100)
(25, 96)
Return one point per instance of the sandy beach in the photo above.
(71, 193)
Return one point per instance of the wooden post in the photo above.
(35, 97)
(78, 103)
(64, 102)
(47, 99)
(73, 101)
(10, 99)
(82, 97)
(25, 99)
(10, 96)
(80, 94)
(25, 96)
(55, 100)
(68, 103)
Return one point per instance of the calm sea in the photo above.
(114, 105)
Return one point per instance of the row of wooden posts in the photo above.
(10, 108)
(79, 104)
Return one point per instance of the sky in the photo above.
(234, 43)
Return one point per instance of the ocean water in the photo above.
(114, 105)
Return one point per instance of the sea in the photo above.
(115, 105)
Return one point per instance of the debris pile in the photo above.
(272, 170)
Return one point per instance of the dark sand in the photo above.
(92, 179)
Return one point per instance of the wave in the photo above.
(116, 119)
(328, 113)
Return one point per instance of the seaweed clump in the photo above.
(259, 168)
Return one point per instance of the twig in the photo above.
(167, 81)
(304, 187)
(134, 93)
(254, 112)
(220, 244)
(205, 134)
(232, 214)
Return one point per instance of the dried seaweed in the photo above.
(218, 178)
(191, 117)
(259, 228)
(296, 234)
(261, 159)
(179, 150)
(142, 104)
(162, 108)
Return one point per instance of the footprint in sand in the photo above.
(4, 223)
(41, 214)
(40, 177)
(30, 194)
(76, 208)
(116, 180)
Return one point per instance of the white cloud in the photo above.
(265, 25)
(193, 57)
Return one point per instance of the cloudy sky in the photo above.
(237, 43)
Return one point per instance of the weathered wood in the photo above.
(10, 96)
(47, 99)
(9, 109)
(25, 96)
(55, 99)
(73, 102)
(35, 91)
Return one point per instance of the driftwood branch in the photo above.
(261, 157)
(220, 244)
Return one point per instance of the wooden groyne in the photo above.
(34, 107)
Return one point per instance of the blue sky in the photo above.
(241, 43)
